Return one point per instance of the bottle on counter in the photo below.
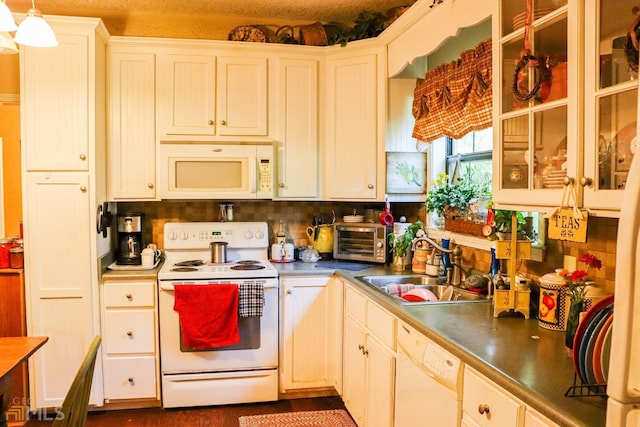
(281, 237)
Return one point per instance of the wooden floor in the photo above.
(214, 416)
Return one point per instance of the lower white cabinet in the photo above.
(533, 418)
(311, 327)
(130, 340)
(369, 361)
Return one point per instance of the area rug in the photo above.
(328, 418)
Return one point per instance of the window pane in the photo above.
(484, 140)
(463, 145)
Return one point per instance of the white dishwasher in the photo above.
(428, 382)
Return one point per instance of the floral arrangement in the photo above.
(577, 284)
(457, 195)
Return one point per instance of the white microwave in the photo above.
(215, 171)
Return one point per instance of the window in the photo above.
(474, 150)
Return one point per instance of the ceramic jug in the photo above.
(321, 238)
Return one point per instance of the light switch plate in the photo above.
(569, 263)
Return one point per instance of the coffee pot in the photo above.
(321, 239)
(130, 243)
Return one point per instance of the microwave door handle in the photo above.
(253, 175)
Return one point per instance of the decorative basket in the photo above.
(249, 33)
(458, 223)
(313, 35)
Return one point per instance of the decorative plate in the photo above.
(582, 328)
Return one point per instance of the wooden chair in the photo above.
(73, 412)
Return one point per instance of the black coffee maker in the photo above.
(130, 243)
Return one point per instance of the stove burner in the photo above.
(248, 261)
(190, 263)
(247, 267)
(183, 269)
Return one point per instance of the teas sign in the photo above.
(566, 225)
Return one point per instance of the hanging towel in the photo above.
(251, 299)
(208, 315)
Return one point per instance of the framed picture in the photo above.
(407, 173)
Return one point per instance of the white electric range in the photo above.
(239, 373)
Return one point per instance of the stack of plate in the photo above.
(518, 20)
(592, 343)
(353, 218)
(554, 179)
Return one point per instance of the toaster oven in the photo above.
(360, 242)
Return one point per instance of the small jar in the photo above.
(16, 257)
(5, 246)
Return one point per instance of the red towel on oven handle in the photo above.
(208, 315)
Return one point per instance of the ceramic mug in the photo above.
(148, 257)
(289, 252)
(156, 251)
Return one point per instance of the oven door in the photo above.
(257, 349)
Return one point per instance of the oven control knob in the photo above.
(248, 235)
(184, 235)
(379, 245)
(259, 235)
(172, 235)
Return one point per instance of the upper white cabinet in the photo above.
(610, 105)
(201, 94)
(131, 124)
(297, 134)
(355, 106)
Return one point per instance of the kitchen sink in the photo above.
(437, 285)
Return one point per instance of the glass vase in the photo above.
(573, 318)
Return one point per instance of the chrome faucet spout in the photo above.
(455, 277)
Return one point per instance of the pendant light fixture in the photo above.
(34, 30)
(7, 23)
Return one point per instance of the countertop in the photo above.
(526, 360)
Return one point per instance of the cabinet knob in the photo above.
(130, 380)
(281, 185)
(130, 334)
(361, 348)
(289, 291)
(586, 182)
(370, 186)
(129, 297)
(567, 181)
(223, 122)
(83, 157)
(150, 185)
(210, 122)
(83, 188)
(483, 408)
(365, 352)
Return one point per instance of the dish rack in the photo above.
(580, 389)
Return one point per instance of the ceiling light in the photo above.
(7, 45)
(7, 23)
(34, 30)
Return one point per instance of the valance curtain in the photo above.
(455, 98)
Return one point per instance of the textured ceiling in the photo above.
(145, 17)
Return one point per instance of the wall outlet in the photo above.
(569, 263)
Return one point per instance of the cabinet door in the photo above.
(380, 385)
(306, 340)
(58, 279)
(535, 419)
(132, 142)
(352, 150)
(242, 96)
(55, 103)
(536, 130)
(355, 370)
(611, 99)
(297, 129)
(186, 94)
(336, 327)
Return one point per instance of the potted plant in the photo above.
(503, 224)
(400, 244)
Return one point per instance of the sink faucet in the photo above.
(455, 276)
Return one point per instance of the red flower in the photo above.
(591, 260)
(578, 275)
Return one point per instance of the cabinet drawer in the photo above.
(489, 405)
(130, 377)
(129, 294)
(129, 331)
(382, 324)
(356, 305)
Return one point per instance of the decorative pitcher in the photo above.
(321, 238)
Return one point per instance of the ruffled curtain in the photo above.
(456, 98)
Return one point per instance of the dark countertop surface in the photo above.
(526, 360)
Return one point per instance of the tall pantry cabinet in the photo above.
(63, 139)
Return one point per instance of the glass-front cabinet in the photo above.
(535, 114)
(611, 100)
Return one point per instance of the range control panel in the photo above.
(198, 235)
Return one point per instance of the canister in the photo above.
(554, 302)
(16, 257)
(5, 246)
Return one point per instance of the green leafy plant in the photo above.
(444, 194)
(401, 243)
(366, 25)
(503, 221)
